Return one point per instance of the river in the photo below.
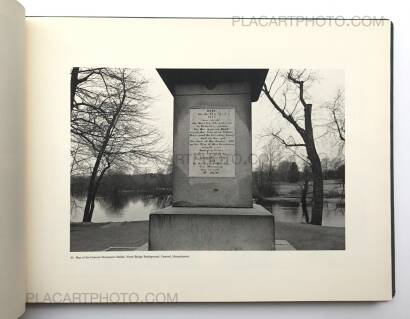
(137, 207)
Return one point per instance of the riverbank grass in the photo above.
(103, 236)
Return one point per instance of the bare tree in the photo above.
(288, 94)
(336, 123)
(336, 128)
(272, 154)
(336, 108)
(109, 125)
(272, 151)
(80, 76)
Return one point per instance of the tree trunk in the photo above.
(92, 190)
(304, 195)
(89, 206)
(74, 83)
(309, 143)
(317, 197)
(88, 214)
(94, 178)
(93, 185)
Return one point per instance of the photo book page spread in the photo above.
(197, 160)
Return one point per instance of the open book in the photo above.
(194, 160)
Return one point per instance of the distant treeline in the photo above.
(154, 184)
(160, 183)
(287, 171)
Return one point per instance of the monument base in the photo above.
(203, 228)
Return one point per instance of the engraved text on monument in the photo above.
(212, 142)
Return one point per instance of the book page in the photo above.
(12, 246)
(143, 183)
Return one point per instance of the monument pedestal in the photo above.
(212, 206)
(203, 228)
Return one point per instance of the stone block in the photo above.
(230, 183)
(200, 228)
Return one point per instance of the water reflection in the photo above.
(130, 206)
(290, 210)
(119, 206)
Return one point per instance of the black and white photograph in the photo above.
(202, 166)
(186, 159)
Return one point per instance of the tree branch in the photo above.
(286, 116)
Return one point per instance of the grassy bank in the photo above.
(101, 236)
(311, 237)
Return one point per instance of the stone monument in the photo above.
(212, 206)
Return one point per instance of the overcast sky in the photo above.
(264, 117)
